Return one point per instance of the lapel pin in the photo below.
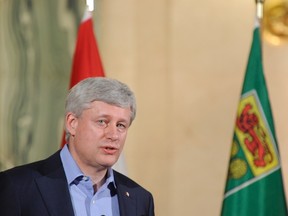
(127, 194)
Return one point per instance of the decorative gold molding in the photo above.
(275, 22)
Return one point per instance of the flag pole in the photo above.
(90, 5)
(259, 15)
(259, 9)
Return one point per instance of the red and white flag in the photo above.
(86, 60)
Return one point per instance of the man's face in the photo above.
(98, 135)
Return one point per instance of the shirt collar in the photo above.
(110, 177)
(71, 169)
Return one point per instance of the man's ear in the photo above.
(71, 122)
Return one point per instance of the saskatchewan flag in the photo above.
(254, 184)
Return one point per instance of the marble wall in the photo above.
(36, 45)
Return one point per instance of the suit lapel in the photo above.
(126, 198)
(53, 187)
(127, 201)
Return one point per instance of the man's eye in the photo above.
(121, 126)
(101, 122)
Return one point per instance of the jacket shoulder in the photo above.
(34, 169)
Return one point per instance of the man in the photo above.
(78, 180)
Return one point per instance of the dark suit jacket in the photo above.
(40, 189)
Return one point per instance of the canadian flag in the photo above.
(86, 61)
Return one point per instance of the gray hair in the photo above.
(103, 89)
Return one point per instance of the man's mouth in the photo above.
(110, 150)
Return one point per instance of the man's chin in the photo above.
(109, 163)
(107, 160)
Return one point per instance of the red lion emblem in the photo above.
(248, 123)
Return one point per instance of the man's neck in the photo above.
(98, 177)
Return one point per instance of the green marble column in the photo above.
(37, 39)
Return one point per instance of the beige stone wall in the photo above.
(186, 62)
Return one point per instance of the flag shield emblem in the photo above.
(254, 152)
(254, 135)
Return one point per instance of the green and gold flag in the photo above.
(254, 184)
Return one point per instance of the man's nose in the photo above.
(111, 132)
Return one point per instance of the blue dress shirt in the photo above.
(85, 203)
